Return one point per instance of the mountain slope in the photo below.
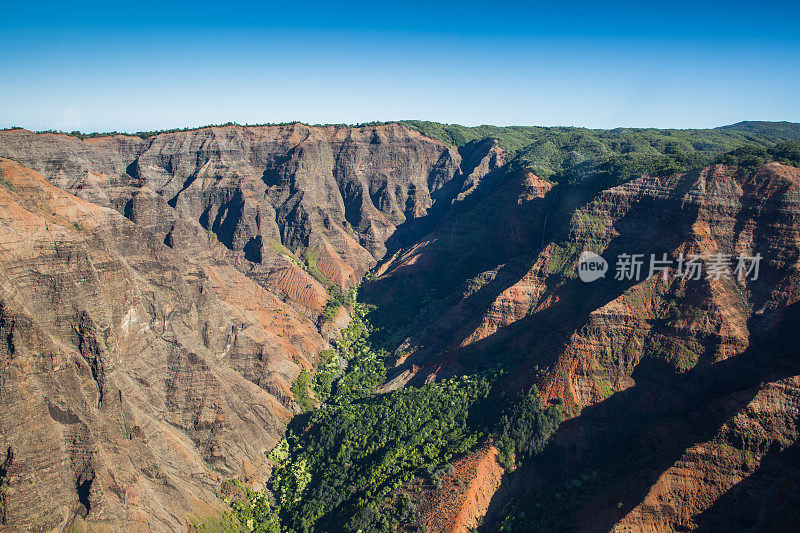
(142, 315)
(333, 194)
(621, 355)
(118, 367)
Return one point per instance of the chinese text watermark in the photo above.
(633, 267)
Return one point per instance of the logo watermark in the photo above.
(591, 266)
(631, 267)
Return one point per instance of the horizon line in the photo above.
(402, 122)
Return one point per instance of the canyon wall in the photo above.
(159, 296)
(634, 363)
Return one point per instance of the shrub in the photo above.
(787, 153)
(745, 156)
(300, 390)
(525, 429)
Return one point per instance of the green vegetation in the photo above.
(679, 356)
(337, 300)
(338, 467)
(550, 509)
(784, 130)
(753, 155)
(607, 388)
(365, 365)
(359, 450)
(256, 513)
(328, 370)
(331, 308)
(300, 390)
(575, 155)
(787, 153)
(745, 156)
(338, 297)
(222, 523)
(281, 249)
(587, 231)
(525, 429)
(311, 257)
(365, 368)
(622, 167)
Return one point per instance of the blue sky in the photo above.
(99, 66)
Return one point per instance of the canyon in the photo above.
(162, 294)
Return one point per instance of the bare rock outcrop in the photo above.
(337, 191)
(458, 505)
(122, 403)
(159, 296)
(651, 350)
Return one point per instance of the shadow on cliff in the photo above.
(540, 337)
(630, 439)
(443, 198)
(415, 295)
(646, 228)
(637, 434)
(767, 500)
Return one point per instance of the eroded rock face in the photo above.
(462, 269)
(532, 282)
(634, 361)
(160, 296)
(710, 484)
(335, 192)
(460, 503)
(686, 323)
(118, 367)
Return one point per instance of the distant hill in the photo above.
(787, 131)
(577, 154)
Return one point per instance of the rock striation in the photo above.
(333, 194)
(122, 404)
(630, 349)
(159, 296)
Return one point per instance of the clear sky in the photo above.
(130, 66)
